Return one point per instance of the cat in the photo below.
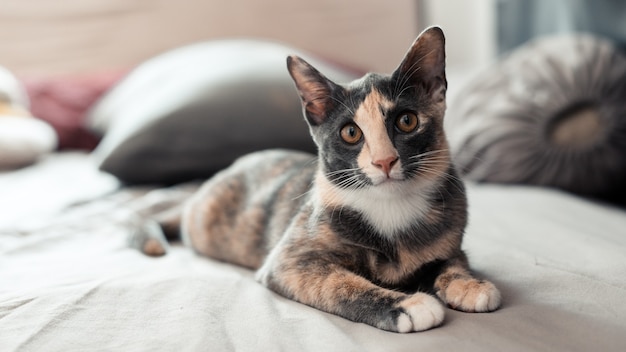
(371, 228)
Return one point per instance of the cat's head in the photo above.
(380, 129)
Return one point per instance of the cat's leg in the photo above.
(456, 286)
(324, 285)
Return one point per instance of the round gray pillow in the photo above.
(192, 111)
(552, 113)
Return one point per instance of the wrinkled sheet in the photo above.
(68, 281)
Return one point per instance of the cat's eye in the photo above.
(351, 133)
(407, 122)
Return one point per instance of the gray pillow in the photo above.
(190, 112)
(552, 113)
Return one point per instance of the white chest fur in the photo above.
(389, 208)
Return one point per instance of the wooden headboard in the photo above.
(68, 36)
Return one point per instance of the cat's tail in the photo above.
(156, 222)
(152, 236)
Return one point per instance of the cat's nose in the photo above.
(386, 164)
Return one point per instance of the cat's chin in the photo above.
(391, 181)
(391, 185)
(400, 186)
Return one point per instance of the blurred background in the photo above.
(52, 37)
(90, 44)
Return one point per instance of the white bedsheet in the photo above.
(68, 282)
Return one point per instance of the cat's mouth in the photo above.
(394, 178)
(359, 178)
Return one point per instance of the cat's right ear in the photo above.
(425, 64)
(314, 88)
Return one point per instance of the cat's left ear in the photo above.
(314, 88)
(425, 64)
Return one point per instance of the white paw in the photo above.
(472, 296)
(421, 312)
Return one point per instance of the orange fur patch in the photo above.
(410, 261)
(370, 119)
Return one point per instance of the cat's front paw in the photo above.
(419, 312)
(471, 295)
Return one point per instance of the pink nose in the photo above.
(386, 164)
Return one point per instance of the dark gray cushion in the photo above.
(552, 113)
(190, 112)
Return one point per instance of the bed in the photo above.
(69, 281)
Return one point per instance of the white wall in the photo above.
(469, 27)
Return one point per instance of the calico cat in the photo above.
(377, 215)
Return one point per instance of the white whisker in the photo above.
(428, 153)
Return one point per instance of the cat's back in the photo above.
(257, 175)
(249, 203)
(271, 164)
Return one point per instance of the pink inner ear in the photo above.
(425, 62)
(313, 87)
(315, 95)
(316, 110)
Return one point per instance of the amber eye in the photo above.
(351, 133)
(407, 122)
